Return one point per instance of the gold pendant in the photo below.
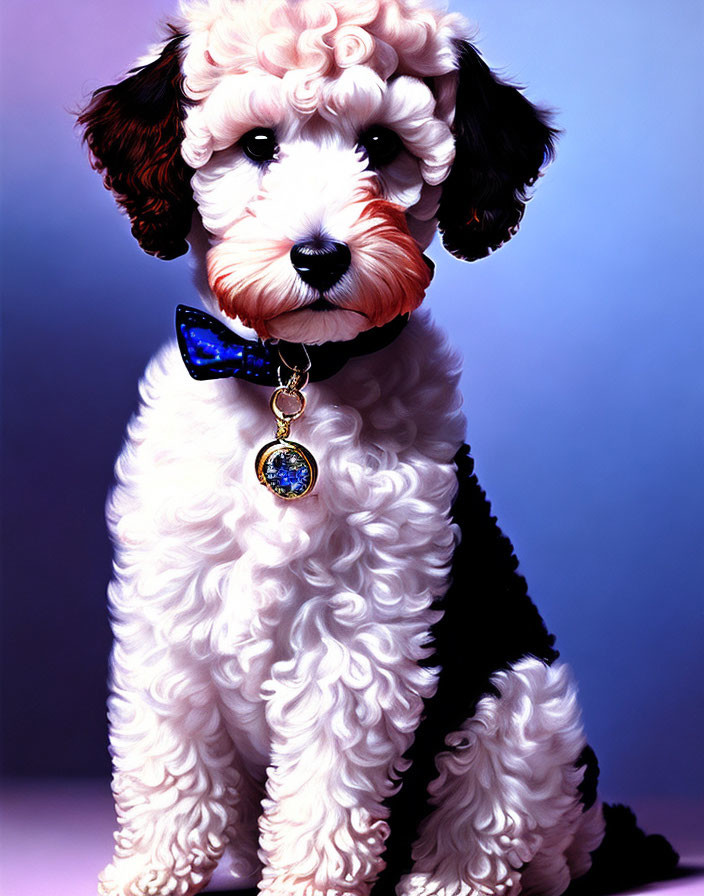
(286, 468)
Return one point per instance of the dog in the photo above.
(326, 662)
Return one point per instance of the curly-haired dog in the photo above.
(281, 665)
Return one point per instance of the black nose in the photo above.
(320, 263)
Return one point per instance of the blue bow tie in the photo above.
(211, 350)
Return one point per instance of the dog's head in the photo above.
(320, 142)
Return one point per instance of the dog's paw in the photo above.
(137, 877)
(418, 884)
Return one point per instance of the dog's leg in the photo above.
(507, 812)
(176, 776)
(341, 718)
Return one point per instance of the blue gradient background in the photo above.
(582, 343)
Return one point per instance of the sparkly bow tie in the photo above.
(211, 350)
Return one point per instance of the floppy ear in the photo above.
(134, 133)
(502, 141)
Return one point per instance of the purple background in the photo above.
(582, 342)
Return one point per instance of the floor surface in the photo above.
(56, 836)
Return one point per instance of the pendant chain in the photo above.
(286, 468)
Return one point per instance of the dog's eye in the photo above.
(259, 144)
(381, 145)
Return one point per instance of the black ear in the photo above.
(502, 141)
(133, 130)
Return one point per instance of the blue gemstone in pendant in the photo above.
(287, 469)
(287, 473)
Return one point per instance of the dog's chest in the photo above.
(254, 580)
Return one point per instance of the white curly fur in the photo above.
(266, 658)
(255, 634)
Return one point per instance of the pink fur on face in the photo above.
(252, 279)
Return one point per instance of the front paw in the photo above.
(418, 884)
(137, 876)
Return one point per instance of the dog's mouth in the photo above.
(321, 304)
(320, 321)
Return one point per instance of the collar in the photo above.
(211, 350)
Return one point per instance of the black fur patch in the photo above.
(489, 623)
(626, 858)
(588, 786)
(502, 141)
